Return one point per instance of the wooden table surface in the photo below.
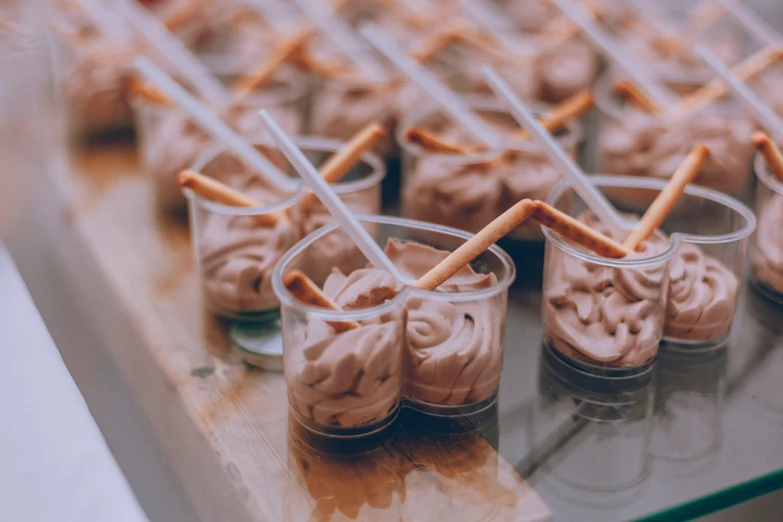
(226, 427)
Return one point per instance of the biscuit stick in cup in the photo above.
(218, 192)
(346, 157)
(303, 288)
(770, 152)
(544, 214)
(668, 197)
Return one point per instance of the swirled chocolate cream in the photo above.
(171, 142)
(469, 191)
(702, 296)
(354, 377)
(450, 353)
(766, 256)
(634, 143)
(237, 253)
(610, 316)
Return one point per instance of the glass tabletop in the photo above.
(697, 432)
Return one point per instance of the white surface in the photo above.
(54, 463)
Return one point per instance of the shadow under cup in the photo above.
(236, 248)
(437, 352)
(709, 232)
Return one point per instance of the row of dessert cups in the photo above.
(610, 321)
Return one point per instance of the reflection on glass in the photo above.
(430, 469)
(688, 398)
(590, 430)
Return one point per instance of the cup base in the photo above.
(766, 290)
(327, 432)
(672, 344)
(592, 370)
(260, 345)
(461, 410)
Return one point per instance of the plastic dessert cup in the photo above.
(93, 78)
(469, 191)
(436, 352)
(550, 71)
(236, 254)
(603, 313)
(766, 251)
(712, 230)
(170, 141)
(633, 142)
(343, 105)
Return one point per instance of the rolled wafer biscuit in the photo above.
(319, 67)
(303, 288)
(138, 87)
(628, 91)
(716, 89)
(668, 197)
(290, 46)
(770, 152)
(563, 112)
(182, 16)
(434, 143)
(434, 44)
(510, 219)
(218, 192)
(346, 157)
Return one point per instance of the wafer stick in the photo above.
(182, 16)
(629, 92)
(770, 152)
(319, 67)
(563, 112)
(218, 192)
(668, 197)
(434, 44)
(510, 219)
(138, 87)
(434, 143)
(346, 157)
(303, 288)
(287, 48)
(716, 89)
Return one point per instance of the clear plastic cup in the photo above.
(236, 255)
(634, 143)
(170, 141)
(766, 250)
(343, 105)
(591, 431)
(93, 77)
(602, 312)
(552, 71)
(712, 230)
(469, 191)
(426, 346)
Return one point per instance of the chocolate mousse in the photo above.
(237, 253)
(610, 316)
(449, 354)
(702, 296)
(635, 143)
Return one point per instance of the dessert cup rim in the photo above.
(643, 182)
(287, 299)
(763, 174)
(618, 111)
(480, 103)
(305, 142)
